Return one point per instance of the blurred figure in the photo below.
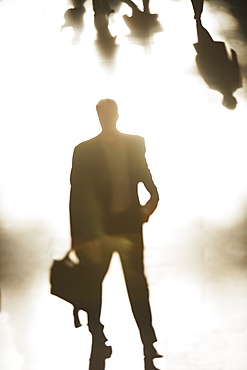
(142, 24)
(135, 8)
(198, 8)
(74, 18)
(219, 69)
(102, 7)
(106, 217)
(102, 10)
(105, 41)
(137, 11)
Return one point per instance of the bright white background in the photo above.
(196, 150)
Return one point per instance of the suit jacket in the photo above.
(91, 188)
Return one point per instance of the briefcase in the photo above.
(67, 280)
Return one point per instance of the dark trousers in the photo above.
(130, 250)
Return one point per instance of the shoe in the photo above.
(149, 364)
(101, 350)
(151, 353)
(106, 351)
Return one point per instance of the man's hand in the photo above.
(145, 214)
(148, 209)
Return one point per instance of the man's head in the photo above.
(108, 114)
(229, 101)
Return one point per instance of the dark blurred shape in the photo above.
(219, 69)
(105, 42)
(134, 7)
(198, 8)
(102, 7)
(142, 25)
(74, 18)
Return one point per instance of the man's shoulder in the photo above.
(87, 144)
(132, 138)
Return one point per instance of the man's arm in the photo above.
(76, 199)
(147, 180)
(85, 221)
(79, 206)
(149, 208)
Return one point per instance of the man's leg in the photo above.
(94, 273)
(146, 6)
(101, 7)
(198, 8)
(133, 267)
(132, 5)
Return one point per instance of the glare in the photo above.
(195, 148)
(10, 358)
(193, 143)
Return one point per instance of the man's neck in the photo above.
(110, 138)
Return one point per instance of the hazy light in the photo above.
(193, 143)
(196, 149)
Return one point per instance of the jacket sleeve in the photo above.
(144, 174)
(82, 206)
(77, 191)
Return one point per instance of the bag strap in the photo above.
(77, 322)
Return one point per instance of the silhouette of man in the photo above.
(74, 18)
(219, 69)
(106, 216)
